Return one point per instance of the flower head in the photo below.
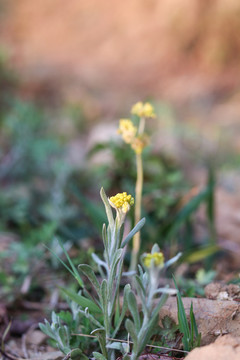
(143, 110)
(127, 130)
(157, 258)
(122, 201)
(139, 143)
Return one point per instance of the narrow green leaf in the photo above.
(82, 301)
(182, 319)
(132, 304)
(191, 327)
(193, 323)
(133, 232)
(88, 271)
(74, 271)
(61, 261)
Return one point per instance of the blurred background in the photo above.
(68, 71)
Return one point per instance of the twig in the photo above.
(11, 357)
(130, 342)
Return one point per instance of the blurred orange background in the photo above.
(185, 51)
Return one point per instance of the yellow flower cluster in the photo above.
(127, 130)
(122, 201)
(158, 258)
(143, 110)
(130, 134)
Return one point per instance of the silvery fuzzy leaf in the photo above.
(140, 283)
(157, 308)
(122, 347)
(140, 269)
(104, 303)
(145, 280)
(115, 261)
(155, 249)
(166, 290)
(101, 335)
(132, 304)
(107, 208)
(131, 330)
(129, 273)
(114, 345)
(98, 356)
(90, 317)
(77, 354)
(142, 294)
(46, 329)
(133, 232)
(173, 260)
(99, 261)
(105, 237)
(126, 290)
(148, 332)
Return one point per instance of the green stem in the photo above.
(138, 203)
(137, 217)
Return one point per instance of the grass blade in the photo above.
(182, 319)
(82, 301)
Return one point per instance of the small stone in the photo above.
(212, 290)
(225, 347)
(221, 291)
(223, 295)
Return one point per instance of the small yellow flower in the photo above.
(122, 201)
(143, 110)
(158, 258)
(127, 130)
(148, 110)
(137, 108)
(139, 143)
